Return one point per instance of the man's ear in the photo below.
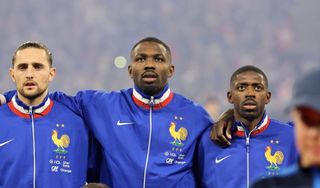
(130, 71)
(52, 73)
(229, 96)
(12, 75)
(171, 71)
(268, 97)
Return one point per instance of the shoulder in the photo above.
(185, 102)
(192, 108)
(280, 125)
(282, 130)
(90, 95)
(105, 94)
(4, 109)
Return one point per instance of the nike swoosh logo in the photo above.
(7, 142)
(124, 123)
(220, 160)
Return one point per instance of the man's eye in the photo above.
(241, 88)
(159, 59)
(258, 88)
(37, 67)
(140, 59)
(22, 67)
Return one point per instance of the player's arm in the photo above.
(71, 102)
(7, 96)
(221, 132)
(78, 103)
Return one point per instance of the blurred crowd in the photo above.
(209, 40)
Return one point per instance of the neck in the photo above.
(33, 101)
(159, 101)
(156, 95)
(249, 123)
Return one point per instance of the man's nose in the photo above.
(29, 72)
(150, 63)
(250, 92)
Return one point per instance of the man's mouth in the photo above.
(29, 84)
(149, 77)
(249, 105)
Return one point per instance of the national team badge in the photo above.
(274, 160)
(61, 143)
(179, 135)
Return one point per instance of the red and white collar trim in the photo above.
(161, 102)
(240, 131)
(38, 112)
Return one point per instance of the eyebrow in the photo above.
(246, 83)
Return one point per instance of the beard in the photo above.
(32, 96)
(249, 115)
(151, 90)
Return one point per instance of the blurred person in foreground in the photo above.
(305, 111)
(260, 146)
(42, 142)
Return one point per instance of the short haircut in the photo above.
(152, 39)
(33, 44)
(248, 68)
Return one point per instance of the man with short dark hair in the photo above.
(148, 133)
(42, 142)
(305, 108)
(260, 146)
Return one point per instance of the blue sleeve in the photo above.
(77, 103)
(71, 102)
(207, 119)
(9, 94)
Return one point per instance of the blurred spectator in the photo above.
(213, 107)
(305, 108)
(213, 37)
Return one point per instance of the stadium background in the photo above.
(209, 40)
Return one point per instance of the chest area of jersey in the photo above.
(170, 136)
(54, 142)
(260, 157)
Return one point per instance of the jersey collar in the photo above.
(22, 110)
(240, 129)
(160, 101)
